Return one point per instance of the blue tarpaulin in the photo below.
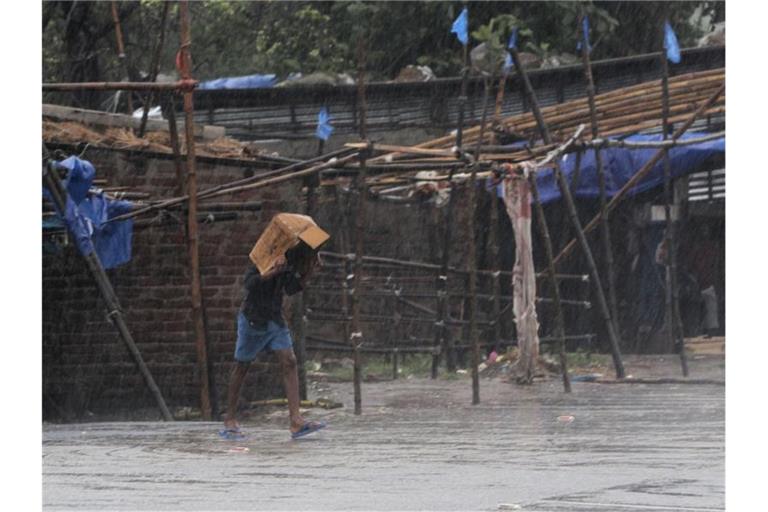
(621, 164)
(257, 81)
(86, 214)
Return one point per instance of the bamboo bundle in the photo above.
(624, 110)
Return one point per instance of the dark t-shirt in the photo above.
(264, 297)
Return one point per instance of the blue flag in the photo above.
(670, 44)
(324, 128)
(460, 26)
(585, 34)
(512, 43)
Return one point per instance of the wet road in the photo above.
(419, 445)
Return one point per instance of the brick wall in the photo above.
(86, 366)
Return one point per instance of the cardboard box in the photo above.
(285, 231)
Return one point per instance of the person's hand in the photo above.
(280, 262)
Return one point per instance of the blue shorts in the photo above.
(252, 340)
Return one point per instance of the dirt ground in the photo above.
(421, 445)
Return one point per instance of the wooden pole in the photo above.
(674, 323)
(181, 85)
(396, 329)
(559, 318)
(604, 226)
(565, 191)
(281, 175)
(356, 336)
(493, 244)
(472, 252)
(121, 52)
(115, 315)
(192, 231)
(173, 132)
(301, 301)
(155, 68)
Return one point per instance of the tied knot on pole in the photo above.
(356, 335)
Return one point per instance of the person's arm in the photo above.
(297, 280)
(252, 278)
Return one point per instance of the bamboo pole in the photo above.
(115, 315)
(604, 226)
(674, 323)
(356, 336)
(181, 85)
(431, 266)
(192, 231)
(254, 182)
(441, 309)
(643, 171)
(559, 318)
(155, 69)
(121, 51)
(472, 252)
(565, 191)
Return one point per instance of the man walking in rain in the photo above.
(261, 326)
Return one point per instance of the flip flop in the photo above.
(232, 434)
(308, 428)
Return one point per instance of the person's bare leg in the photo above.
(290, 372)
(236, 380)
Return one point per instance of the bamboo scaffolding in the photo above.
(643, 171)
(258, 181)
(566, 193)
(632, 97)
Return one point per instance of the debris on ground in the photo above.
(324, 403)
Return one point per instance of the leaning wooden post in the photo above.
(674, 323)
(604, 226)
(192, 232)
(121, 52)
(155, 69)
(115, 315)
(566, 192)
(356, 336)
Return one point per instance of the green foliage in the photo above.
(238, 38)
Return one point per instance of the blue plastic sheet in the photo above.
(460, 26)
(85, 216)
(621, 164)
(257, 81)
